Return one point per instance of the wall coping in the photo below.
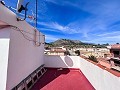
(116, 73)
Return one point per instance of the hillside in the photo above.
(66, 42)
(73, 43)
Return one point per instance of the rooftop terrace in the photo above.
(20, 60)
(65, 79)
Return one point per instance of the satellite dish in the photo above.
(2, 2)
(20, 6)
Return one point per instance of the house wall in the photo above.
(56, 53)
(98, 77)
(112, 52)
(22, 56)
(4, 51)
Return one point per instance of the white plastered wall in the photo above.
(56, 61)
(4, 51)
(22, 56)
(99, 78)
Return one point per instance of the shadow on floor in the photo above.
(49, 76)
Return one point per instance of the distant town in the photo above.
(105, 54)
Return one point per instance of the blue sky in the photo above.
(94, 21)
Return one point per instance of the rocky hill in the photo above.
(66, 42)
(73, 43)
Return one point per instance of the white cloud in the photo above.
(52, 1)
(98, 27)
(108, 37)
(110, 34)
(54, 26)
(50, 38)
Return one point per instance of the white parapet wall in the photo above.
(4, 51)
(56, 61)
(19, 56)
(100, 79)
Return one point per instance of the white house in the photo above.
(21, 46)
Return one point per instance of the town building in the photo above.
(55, 51)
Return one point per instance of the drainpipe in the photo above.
(36, 42)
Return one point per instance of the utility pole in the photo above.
(36, 13)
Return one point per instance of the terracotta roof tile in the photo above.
(115, 46)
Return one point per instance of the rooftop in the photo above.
(66, 79)
(115, 46)
(17, 51)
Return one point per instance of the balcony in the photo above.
(20, 59)
(100, 78)
(76, 73)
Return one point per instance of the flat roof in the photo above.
(66, 79)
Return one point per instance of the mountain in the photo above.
(66, 42)
(73, 43)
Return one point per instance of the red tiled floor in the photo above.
(63, 80)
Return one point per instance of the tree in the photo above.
(77, 52)
(93, 58)
(66, 53)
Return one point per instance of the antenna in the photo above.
(36, 14)
(2, 2)
(20, 7)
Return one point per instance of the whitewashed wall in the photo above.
(56, 61)
(99, 78)
(23, 56)
(4, 51)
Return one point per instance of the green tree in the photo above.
(93, 58)
(66, 53)
(77, 52)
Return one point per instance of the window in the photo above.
(116, 52)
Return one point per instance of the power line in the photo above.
(26, 32)
(26, 36)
